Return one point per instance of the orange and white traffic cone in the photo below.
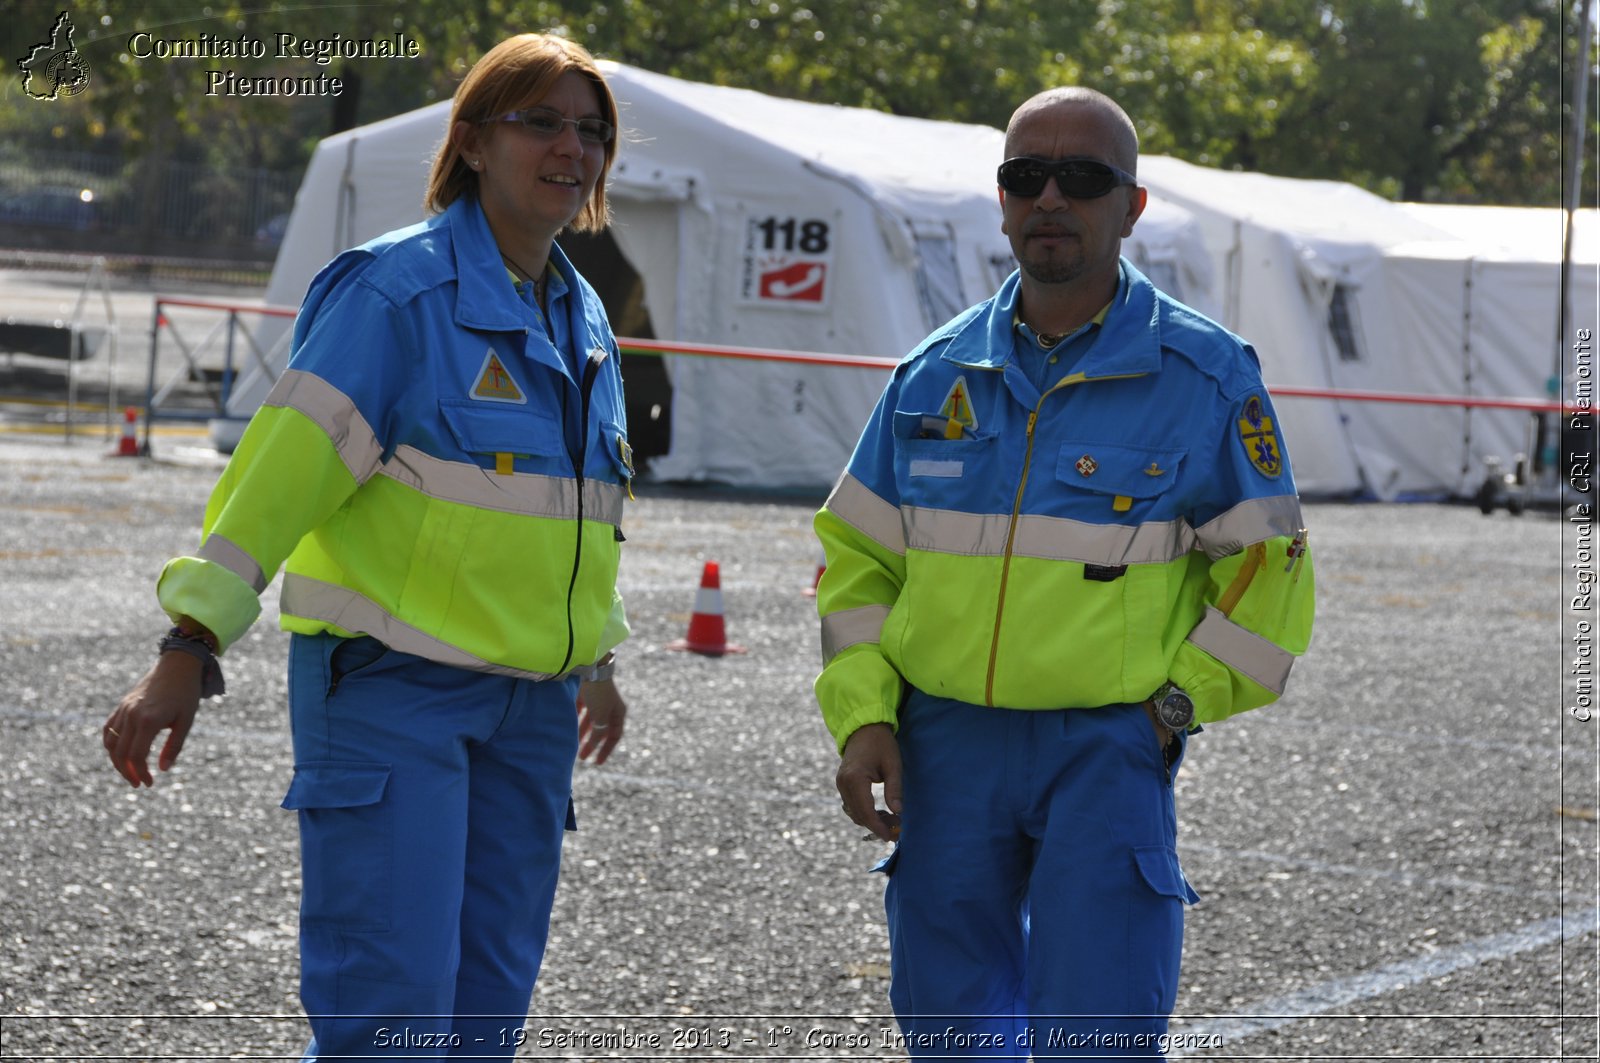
(816, 581)
(128, 445)
(707, 635)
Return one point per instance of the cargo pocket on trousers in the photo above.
(1156, 932)
(1158, 866)
(346, 844)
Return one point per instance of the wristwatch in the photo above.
(1173, 707)
(604, 668)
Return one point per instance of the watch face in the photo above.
(1176, 710)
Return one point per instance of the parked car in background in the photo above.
(270, 234)
(51, 206)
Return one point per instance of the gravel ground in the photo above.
(1381, 852)
(1398, 860)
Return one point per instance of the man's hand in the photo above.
(871, 755)
(167, 697)
(1163, 732)
(601, 715)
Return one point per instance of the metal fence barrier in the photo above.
(229, 332)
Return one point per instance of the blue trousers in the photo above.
(1035, 901)
(432, 803)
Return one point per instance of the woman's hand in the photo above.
(166, 698)
(601, 716)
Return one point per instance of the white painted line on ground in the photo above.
(1277, 1012)
(1400, 878)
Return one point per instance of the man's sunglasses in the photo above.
(1076, 178)
(549, 123)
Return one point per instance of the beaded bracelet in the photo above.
(201, 649)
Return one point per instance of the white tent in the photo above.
(752, 222)
(1504, 314)
(1339, 288)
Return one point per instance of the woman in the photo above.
(443, 466)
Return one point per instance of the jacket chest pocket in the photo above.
(1119, 481)
(933, 471)
(484, 430)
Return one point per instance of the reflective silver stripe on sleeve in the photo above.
(332, 411)
(847, 627)
(856, 504)
(1250, 522)
(344, 608)
(948, 531)
(222, 552)
(1243, 650)
(529, 494)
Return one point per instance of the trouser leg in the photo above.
(517, 812)
(381, 787)
(956, 887)
(1106, 894)
(1035, 892)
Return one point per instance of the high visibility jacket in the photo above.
(436, 471)
(1136, 523)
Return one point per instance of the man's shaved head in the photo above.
(1124, 143)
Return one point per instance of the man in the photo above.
(1068, 536)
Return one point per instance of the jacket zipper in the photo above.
(1016, 513)
(1005, 563)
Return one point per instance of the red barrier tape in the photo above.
(710, 350)
(201, 304)
(1528, 405)
(855, 361)
(863, 362)
(755, 354)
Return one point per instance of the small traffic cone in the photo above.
(706, 633)
(128, 445)
(816, 581)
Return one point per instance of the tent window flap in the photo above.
(938, 277)
(1344, 324)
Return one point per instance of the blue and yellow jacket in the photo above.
(432, 469)
(1135, 523)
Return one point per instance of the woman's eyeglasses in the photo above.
(1076, 178)
(548, 123)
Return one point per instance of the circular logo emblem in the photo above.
(68, 73)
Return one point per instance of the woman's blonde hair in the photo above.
(516, 73)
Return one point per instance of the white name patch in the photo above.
(927, 467)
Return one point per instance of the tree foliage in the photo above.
(1459, 101)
